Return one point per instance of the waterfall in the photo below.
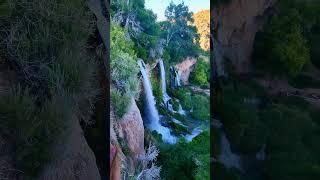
(174, 77)
(177, 79)
(227, 157)
(166, 97)
(196, 131)
(163, 77)
(151, 113)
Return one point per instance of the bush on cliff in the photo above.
(200, 74)
(124, 70)
(45, 43)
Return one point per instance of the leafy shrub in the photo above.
(243, 127)
(282, 49)
(34, 128)
(156, 89)
(120, 101)
(186, 160)
(178, 129)
(124, 70)
(179, 117)
(186, 102)
(287, 152)
(175, 104)
(200, 107)
(184, 95)
(200, 74)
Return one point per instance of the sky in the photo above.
(159, 6)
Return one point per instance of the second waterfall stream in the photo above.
(151, 112)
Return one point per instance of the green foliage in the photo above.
(45, 43)
(141, 24)
(288, 156)
(200, 74)
(178, 129)
(282, 49)
(288, 127)
(120, 101)
(243, 127)
(200, 107)
(156, 89)
(175, 104)
(179, 117)
(181, 37)
(124, 70)
(34, 128)
(186, 160)
(184, 95)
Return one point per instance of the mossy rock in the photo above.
(179, 117)
(175, 104)
(178, 129)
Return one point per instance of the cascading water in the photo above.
(166, 97)
(177, 79)
(151, 113)
(227, 157)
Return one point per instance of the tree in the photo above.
(140, 23)
(181, 38)
(282, 49)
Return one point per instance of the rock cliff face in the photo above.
(184, 69)
(72, 157)
(127, 141)
(74, 160)
(236, 24)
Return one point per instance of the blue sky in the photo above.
(159, 6)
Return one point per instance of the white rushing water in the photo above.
(166, 97)
(227, 157)
(152, 115)
(177, 78)
(195, 133)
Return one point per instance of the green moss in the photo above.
(178, 129)
(175, 104)
(156, 88)
(200, 107)
(179, 117)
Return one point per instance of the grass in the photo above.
(45, 42)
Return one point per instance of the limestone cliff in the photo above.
(74, 160)
(235, 25)
(126, 141)
(71, 157)
(184, 69)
